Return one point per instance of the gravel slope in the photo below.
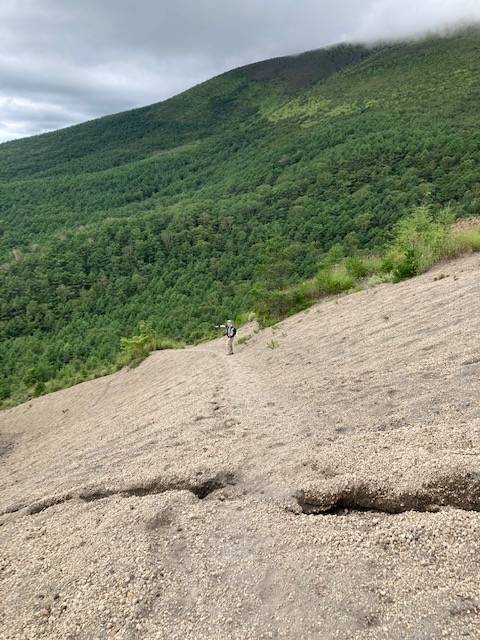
(326, 488)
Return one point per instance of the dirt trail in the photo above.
(328, 487)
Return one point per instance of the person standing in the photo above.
(231, 332)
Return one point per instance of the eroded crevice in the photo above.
(201, 488)
(472, 361)
(457, 490)
(339, 496)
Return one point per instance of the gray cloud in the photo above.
(64, 61)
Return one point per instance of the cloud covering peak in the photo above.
(64, 61)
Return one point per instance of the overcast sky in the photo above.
(66, 61)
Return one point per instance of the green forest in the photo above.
(168, 215)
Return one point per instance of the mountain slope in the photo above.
(326, 488)
(188, 117)
(163, 213)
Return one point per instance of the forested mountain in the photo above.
(164, 213)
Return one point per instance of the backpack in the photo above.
(231, 332)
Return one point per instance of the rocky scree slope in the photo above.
(322, 483)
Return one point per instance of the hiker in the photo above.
(230, 333)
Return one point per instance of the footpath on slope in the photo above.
(325, 488)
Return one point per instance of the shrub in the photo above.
(356, 267)
(241, 318)
(407, 265)
(272, 306)
(39, 389)
(420, 240)
(136, 348)
(167, 343)
(359, 268)
(331, 282)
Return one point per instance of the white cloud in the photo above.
(391, 19)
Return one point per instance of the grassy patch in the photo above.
(420, 241)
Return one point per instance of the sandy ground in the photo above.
(328, 487)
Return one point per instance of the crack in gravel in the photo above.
(200, 489)
(460, 491)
